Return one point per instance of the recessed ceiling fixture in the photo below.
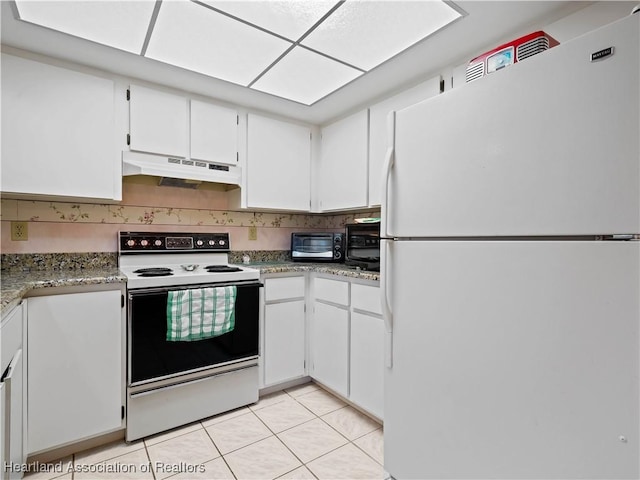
(301, 50)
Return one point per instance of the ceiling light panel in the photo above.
(199, 39)
(119, 24)
(305, 77)
(289, 18)
(366, 33)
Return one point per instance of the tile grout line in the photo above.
(321, 419)
(279, 439)
(365, 452)
(284, 398)
(349, 440)
(285, 445)
(221, 455)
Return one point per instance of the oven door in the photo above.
(153, 361)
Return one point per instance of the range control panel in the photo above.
(144, 242)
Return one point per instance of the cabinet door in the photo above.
(75, 384)
(330, 346)
(367, 362)
(2, 425)
(343, 165)
(58, 132)
(379, 133)
(158, 122)
(278, 164)
(13, 386)
(284, 342)
(214, 133)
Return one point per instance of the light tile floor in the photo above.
(300, 433)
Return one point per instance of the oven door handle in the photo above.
(153, 290)
(188, 382)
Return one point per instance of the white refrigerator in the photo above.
(510, 295)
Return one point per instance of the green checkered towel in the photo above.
(200, 313)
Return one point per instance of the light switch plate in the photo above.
(253, 233)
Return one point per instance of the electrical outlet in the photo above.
(19, 231)
(253, 233)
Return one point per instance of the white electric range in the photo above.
(172, 383)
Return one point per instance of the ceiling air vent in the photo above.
(531, 48)
(475, 71)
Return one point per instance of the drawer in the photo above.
(333, 291)
(283, 288)
(366, 297)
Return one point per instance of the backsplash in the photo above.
(86, 227)
(22, 262)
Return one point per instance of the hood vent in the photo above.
(179, 172)
(179, 182)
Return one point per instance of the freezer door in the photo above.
(548, 146)
(513, 360)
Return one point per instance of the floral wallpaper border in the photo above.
(61, 212)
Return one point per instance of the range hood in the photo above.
(179, 172)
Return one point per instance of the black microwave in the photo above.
(362, 246)
(317, 247)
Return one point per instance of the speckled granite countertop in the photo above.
(330, 268)
(15, 285)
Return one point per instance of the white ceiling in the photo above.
(486, 24)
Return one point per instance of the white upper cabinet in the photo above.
(278, 164)
(380, 133)
(214, 133)
(343, 169)
(58, 132)
(174, 125)
(158, 122)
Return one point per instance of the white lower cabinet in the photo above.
(284, 342)
(367, 349)
(284, 332)
(330, 346)
(75, 367)
(345, 335)
(12, 395)
(367, 362)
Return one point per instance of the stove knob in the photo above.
(199, 243)
(221, 242)
(131, 243)
(212, 242)
(144, 243)
(158, 243)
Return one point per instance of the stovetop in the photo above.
(178, 259)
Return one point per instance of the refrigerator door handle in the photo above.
(387, 314)
(386, 172)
